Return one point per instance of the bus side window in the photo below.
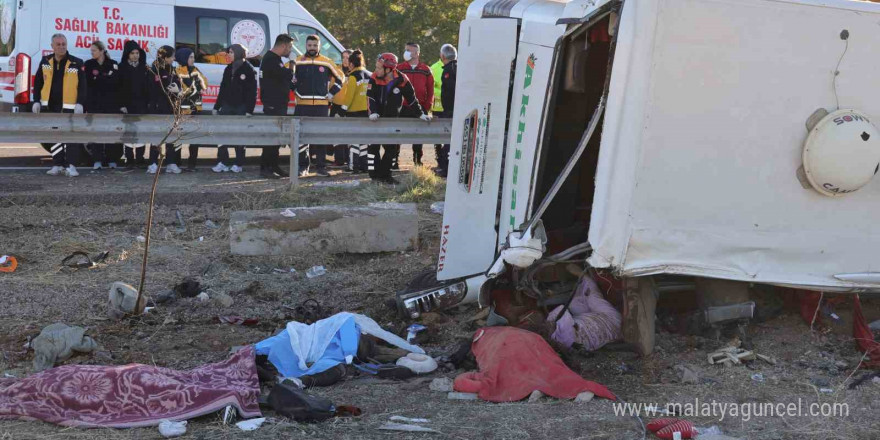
(208, 33)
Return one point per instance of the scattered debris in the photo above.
(8, 264)
(57, 343)
(188, 288)
(251, 425)
(536, 396)
(687, 374)
(282, 271)
(293, 403)
(404, 428)
(203, 297)
(438, 207)
(141, 239)
(123, 301)
(182, 225)
(730, 355)
(348, 411)
(170, 429)
(413, 330)
(670, 429)
(201, 239)
(584, 397)
(81, 260)
(758, 377)
(316, 272)
(288, 213)
(408, 420)
(462, 396)
(236, 320)
(211, 225)
(223, 299)
(441, 384)
(165, 297)
(418, 363)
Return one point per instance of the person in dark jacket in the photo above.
(238, 96)
(134, 93)
(102, 87)
(60, 87)
(193, 83)
(276, 83)
(449, 57)
(388, 91)
(164, 100)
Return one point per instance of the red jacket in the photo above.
(422, 80)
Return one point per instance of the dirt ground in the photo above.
(46, 218)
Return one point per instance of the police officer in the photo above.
(276, 82)
(388, 91)
(449, 57)
(316, 82)
(238, 96)
(60, 87)
(102, 86)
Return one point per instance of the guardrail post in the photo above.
(295, 127)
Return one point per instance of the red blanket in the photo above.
(132, 395)
(515, 362)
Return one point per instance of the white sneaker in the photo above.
(112, 165)
(173, 169)
(220, 168)
(236, 169)
(97, 166)
(55, 171)
(71, 171)
(153, 169)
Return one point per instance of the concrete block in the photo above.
(378, 227)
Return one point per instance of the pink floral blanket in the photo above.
(132, 395)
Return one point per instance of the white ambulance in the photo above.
(715, 139)
(206, 27)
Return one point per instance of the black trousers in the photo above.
(320, 151)
(418, 149)
(132, 150)
(272, 153)
(64, 154)
(105, 153)
(442, 151)
(223, 155)
(358, 153)
(380, 166)
(172, 154)
(340, 152)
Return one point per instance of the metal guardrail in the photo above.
(219, 130)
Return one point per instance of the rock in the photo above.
(441, 384)
(165, 297)
(223, 299)
(687, 374)
(57, 343)
(536, 396)
(123, 300)
(584, 397)
(389, 227)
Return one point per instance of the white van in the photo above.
(206, 26)
(732, 142)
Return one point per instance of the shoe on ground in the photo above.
(173, 169)
(277, 170)
(220, 168)
(97, 166)
(71, 171)
(55, 171)
(268, 174)
(112, 165)
(153, 169)
(322, 172)
(236, 169)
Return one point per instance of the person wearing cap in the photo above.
(389, 94)
(193, 83)
(422, 80)
(60, 87)
(316, 82)
(238, 96)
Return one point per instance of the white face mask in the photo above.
(407, 56)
